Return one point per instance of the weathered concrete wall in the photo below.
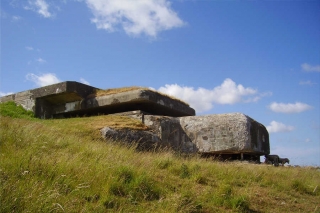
(171, 133)
(72, 98)
(67, 91)
(144, 140)
(50, 97)
(44, 99)
(226, 133)
(140, 99)
(233, 133)
(24, 99)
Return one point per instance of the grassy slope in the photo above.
(64, 165)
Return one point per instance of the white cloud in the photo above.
(202, 99)
(16, 18)
(136, 17)
(257, 97)
(84, 81)
(279, 127)
(5, 93)
(29, 48)
(289, 108)
(40, 60)
(44, 79)
(309, 83)
(40, 6)
(307, 140)
(309, 68)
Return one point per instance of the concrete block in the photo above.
(226, 133)
(233, 133)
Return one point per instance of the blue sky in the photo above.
(260, 58)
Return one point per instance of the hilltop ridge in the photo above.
(65, 165)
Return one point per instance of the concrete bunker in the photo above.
(233, 136)
(71, 98)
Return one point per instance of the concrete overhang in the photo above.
(71, 98)
(140, 99)
(63, 92)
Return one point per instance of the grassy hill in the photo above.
(65, 166)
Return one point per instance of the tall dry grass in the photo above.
(64, 166)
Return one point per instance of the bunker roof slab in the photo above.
(73, 98)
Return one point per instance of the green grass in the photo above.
(64, 166)
(15, 111)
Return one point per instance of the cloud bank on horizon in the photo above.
(202, 99)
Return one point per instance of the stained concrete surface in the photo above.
(70, 98)
(231, 135)
(172, 122)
